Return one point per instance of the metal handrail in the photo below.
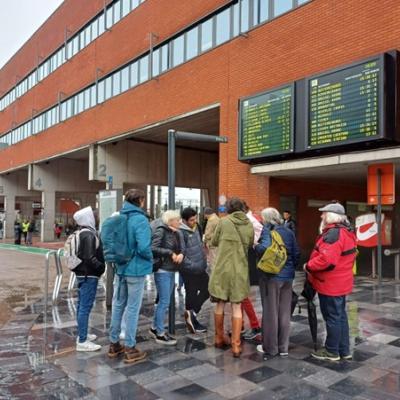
(396, 254)
(49, 254)
(58, 281)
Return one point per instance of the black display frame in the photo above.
(381, 110)
(275, 154)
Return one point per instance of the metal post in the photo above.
(109, 284)
(379, 217)
(45, 299)
(171, 206)
(397, 267)
(373, 259)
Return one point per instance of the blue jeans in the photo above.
(87, 288)
(128, 295)
(333, 310)
(165, 282)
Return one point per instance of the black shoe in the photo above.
(165, 339)
(153, 333)
(189, 319)
(198, 327)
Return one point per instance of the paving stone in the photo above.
(349, 386)
(198, 371)
(368, 373)
(236, 388)
(125, 391)
(324, 378)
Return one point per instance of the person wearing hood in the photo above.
(87, 274)
(229, 281)
(130, 279)
(193, 269)
(330, 272)
(276, 290)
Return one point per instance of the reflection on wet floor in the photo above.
(38, 361)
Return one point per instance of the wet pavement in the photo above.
(38, 361)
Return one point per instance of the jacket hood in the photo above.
(184, 227)
(129, 208)
(85, 217)
(239, 218)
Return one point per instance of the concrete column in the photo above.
(49, 216)
(9, 208)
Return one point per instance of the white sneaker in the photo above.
(283, 354)
(87, 346)
(260, 349)
(122, 335)
(89, 338)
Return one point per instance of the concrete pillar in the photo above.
(10, 213)
(48, 216)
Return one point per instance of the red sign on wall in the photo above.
(387, 183)
(367, 231)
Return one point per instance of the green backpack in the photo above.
(274, 257)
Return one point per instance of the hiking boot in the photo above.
(324, 354)
(115, 350)
(132, 355)
(189, 317)
(87, 346)
(165, 339)
(346, 357)
(252, 333)
(90, 338)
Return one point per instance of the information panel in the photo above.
(266, 124)
(344, 105)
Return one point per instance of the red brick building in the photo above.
(132, 69)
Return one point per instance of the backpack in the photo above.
(71, 248)
(114, 236)
(274, 257)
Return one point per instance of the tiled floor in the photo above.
(38, 361)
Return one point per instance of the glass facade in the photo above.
(211, 32)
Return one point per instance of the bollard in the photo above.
(396, 254)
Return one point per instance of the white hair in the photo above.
(271, 216)
(169, 215)
(332, 218)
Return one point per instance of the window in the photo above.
(134, 74)
(108, 88)
(235, 30)
(63, 113)
(101, 24)
(93, 100)
(300, 2)
(256, 12)
(264, 10)
(69, 50)
(79, 103)
(156, 63)
(117, 11)
(223, 29)
(116, 83)
(125, 79)
(178, 47)
(245, 15)
(192, 43)
(86, 95)
(75, 45)
(126, 7)
(206, 35)
(144, 69)
(135, 3)
(100, 92)
(164, 57)
(70, 108)
(281, 6)
(88, 35)
(95, 29)
(82, 40)
(109, 17)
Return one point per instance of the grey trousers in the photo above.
(276, 297)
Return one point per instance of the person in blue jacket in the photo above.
(130, 279)
(276, 290)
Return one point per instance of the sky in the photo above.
(19, 19)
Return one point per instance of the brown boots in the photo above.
(221, 340)
(236, 330)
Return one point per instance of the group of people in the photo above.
(24, 229)
(219, 265)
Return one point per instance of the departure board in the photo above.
(344, 105)
(266, 124)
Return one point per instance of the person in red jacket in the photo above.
(330, 272)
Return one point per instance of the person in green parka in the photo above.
(229, 282)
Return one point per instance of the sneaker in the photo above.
(87, 346)
(165, 339)
(153, 333)
(115, 350)
(252, 333)
(189, 321)
(91, 337)
(283, 354)
(132, 355)
(198, 327)
(324, 354)
(347, 357)
(260, 349)
(122, 335)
